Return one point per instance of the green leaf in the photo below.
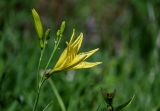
(38, 24)
(122, 106)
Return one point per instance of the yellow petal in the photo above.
(69, 59)
(77, 60)
(61, 66)
(66, 57)
(67, 64)
(89, 53)
(77, 43)
(86, 65)
(62, 58)
(70, 53)
(72, 37)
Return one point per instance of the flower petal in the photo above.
(70, 52)
(77, 43)
(61, 58)
(61, 66)
(77, 60)
(86, 65)
(70, 59)
(72, 37)
(89, 53)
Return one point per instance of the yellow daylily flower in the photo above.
(70, 59)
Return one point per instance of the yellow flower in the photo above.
(70, 59)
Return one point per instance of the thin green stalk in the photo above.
(42, 79)
(38, 86)
(39, 83)
(40, 60)
(54, 50)
(39, 63)
(98, 107)
(50, 80)
(47, 105)
(38, 93)
(57, 94)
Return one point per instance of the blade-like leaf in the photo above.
(122, 106)
(38, 24)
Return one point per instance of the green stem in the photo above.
(50, 58)
(38, 93)
(47, 105)
(38, 87)
(40, 83)
(54, 50)
(43, 79)
(39, 63)
(57, 94)
(98, 107)
(51, 82)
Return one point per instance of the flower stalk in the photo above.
(38, 93)
(70, 58)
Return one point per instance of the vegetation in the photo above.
(126, 32)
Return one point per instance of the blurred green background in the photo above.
(126, 31)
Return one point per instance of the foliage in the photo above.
(127, 32)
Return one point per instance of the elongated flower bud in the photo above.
(38, 26)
